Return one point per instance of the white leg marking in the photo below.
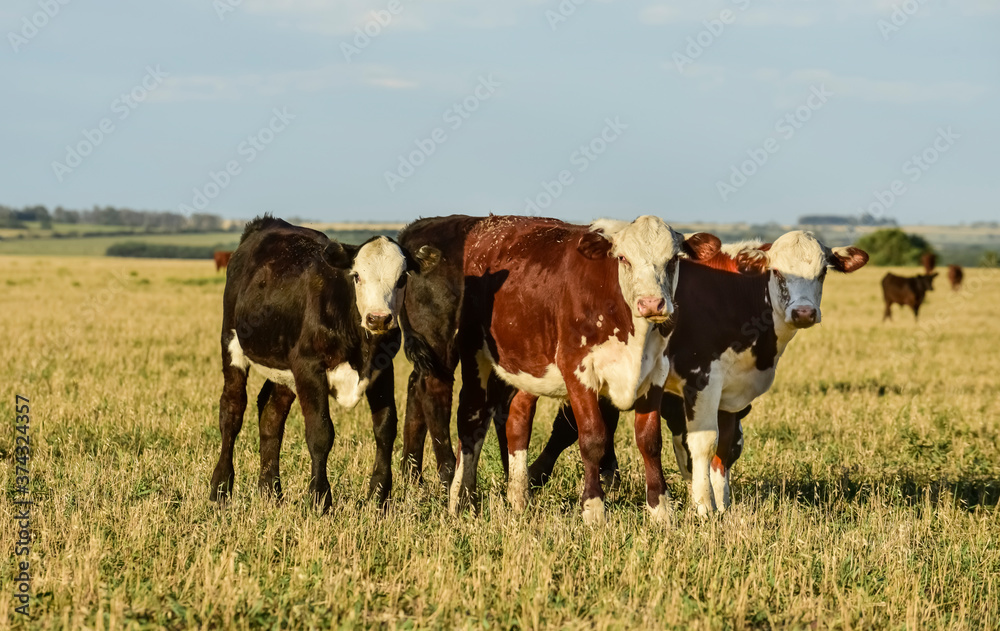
(593, 512)
(517, 482)
(720, 486)
(456, 486)
(702, 444)
(663, 512)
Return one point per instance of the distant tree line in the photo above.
(845, 220)
(895, 247)
(158, 221)
(139, 249)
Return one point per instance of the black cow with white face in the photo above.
(318, 319)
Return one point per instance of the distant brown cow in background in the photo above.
(221, 259)
(929, 261)
(903, 290)
(955, 276)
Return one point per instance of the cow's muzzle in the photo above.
(804, 317)
(653, 308)
(379, 322)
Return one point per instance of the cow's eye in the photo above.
(357, 278)
(624, 260)
(402, 282)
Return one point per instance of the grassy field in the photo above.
(866, 497)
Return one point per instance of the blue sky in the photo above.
(720, 110)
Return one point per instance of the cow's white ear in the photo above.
(427, 258)
(847, 259)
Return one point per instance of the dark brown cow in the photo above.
(429, 320)
(731, 330)
(574, 313)
(928, 261)
(955, 276)
(906, 291)
(318, 319)
(221, 259)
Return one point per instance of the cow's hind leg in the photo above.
(564, 434)
(273, 404)
(887, 315)
(472, 424)
(518, 430)
(414, 428)
(232, 405)
(384, 421)
(672, 410)
(428, 408)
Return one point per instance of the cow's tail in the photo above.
(423, 357)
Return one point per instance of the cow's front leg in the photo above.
(232, 405)
(382, 401)
(728, 451)
(702, 442)
(593, 439)
(518, 430)
(273, 404)
(314, 398)
(471, 424)
(650, 442)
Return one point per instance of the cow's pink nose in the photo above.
(651, 306)
(804, 317)
(379, 321)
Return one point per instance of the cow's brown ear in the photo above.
(594, 245)
(427, 258)
(752, 262)
(702, 246)
(848, 259)
(340, 255)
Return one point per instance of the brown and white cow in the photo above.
(730, 332)
(570, 312)
(317, 318)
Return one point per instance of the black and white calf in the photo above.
(731, 330)
(317, 318)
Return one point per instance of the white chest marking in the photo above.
(624, 371)
(345, 383)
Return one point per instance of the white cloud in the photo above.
(223, 88)
(342, 17)
(788, 87)
(801, 13)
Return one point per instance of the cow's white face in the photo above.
(647, 251)
(798, 263)
(379, 273)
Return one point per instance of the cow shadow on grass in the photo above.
(902, 490)
(906, 489)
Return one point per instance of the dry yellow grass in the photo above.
(866, 497)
